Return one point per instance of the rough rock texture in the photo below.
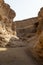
(6, 22)
(26, 27)
(38, 49)
(40, 19)
(35, 43)
(20, 23)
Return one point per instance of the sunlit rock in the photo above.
(6, 23)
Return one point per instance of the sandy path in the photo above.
(15, 56)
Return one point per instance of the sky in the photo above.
(25, 8)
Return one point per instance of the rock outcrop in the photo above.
(26, 27)
(6, 22)
(38, 46)
(40, 19)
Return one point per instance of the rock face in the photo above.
(26, 26)
(6, 22)
(26, 30)
(40, 19)
(38, 49)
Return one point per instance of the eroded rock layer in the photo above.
(6, 22)
(38, 49)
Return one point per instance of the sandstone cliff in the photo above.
(6, 22)
(26, 27)
(38, 49)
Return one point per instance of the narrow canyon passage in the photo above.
(16, 56)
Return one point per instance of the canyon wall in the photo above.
(26, 26)
(28, 30)
(6, 22)
(38, 48)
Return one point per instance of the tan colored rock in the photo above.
(35, 44)
(40, 14)
(40, 19)
(6, 23)
(1, 2)
(37, 50)
(12, 14)
(38, 46)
